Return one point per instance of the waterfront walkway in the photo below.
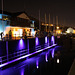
(72, 69)
(44, 63)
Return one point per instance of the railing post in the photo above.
(0, 60)
(28, 45)
(7, 50)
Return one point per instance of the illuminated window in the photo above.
(0, 16)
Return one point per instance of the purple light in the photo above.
(22, 72)
(53, 53)
(28, 45)
(26, 56)
(21, 41)
(21, 44)
(46, 39)
(37, 41)
(46, 58)
(7, 49)
(52, 39)
(37, 65)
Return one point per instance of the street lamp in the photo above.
(2, 16)
(57, 27)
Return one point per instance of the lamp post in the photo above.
(39, 21)
(2, 16)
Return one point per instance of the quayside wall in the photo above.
(13, 49)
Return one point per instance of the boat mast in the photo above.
(49, 22)
(45, 23)
(57, 21)
(53, 24)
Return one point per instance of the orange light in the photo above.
(51, 25)
(58, 31)
(74, 31)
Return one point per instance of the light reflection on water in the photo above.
(31, 64)
(52, 53)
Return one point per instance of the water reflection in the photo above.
(22, 71)
(32, 64)
(37, 63)
(57, 60)
(46, 57)
(53, 40)
(53, 53)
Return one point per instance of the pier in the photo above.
(15, 50)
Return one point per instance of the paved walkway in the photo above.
(72, 69)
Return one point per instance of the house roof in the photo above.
(17, 14)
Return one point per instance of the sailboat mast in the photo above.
(57, 21)
(53, 24)
(45, 23)
(49, 22)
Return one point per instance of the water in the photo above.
(50, 62)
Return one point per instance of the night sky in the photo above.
(64, 10)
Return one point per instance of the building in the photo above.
(4, 20)
(18, 23)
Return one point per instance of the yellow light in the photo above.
(15, 32)
(57, 27)
(58, 31)
(74, 31)
(51, 25)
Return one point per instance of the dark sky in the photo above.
(64, 10)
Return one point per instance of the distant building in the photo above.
(70, 30)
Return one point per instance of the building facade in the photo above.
(18, 23)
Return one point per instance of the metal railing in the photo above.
(13, 56)
(20, 53)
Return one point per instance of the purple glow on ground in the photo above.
(52, 39)
(53, 53)
(46, 39)
(46, 58)
(2, 65)
(37, 41)
(22, 72)
(37, 65)
(21, 44)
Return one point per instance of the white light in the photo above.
(68, 31)
(33, 32)
(37, 67)
(20, 32)
(57, 27)
(57, 60)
